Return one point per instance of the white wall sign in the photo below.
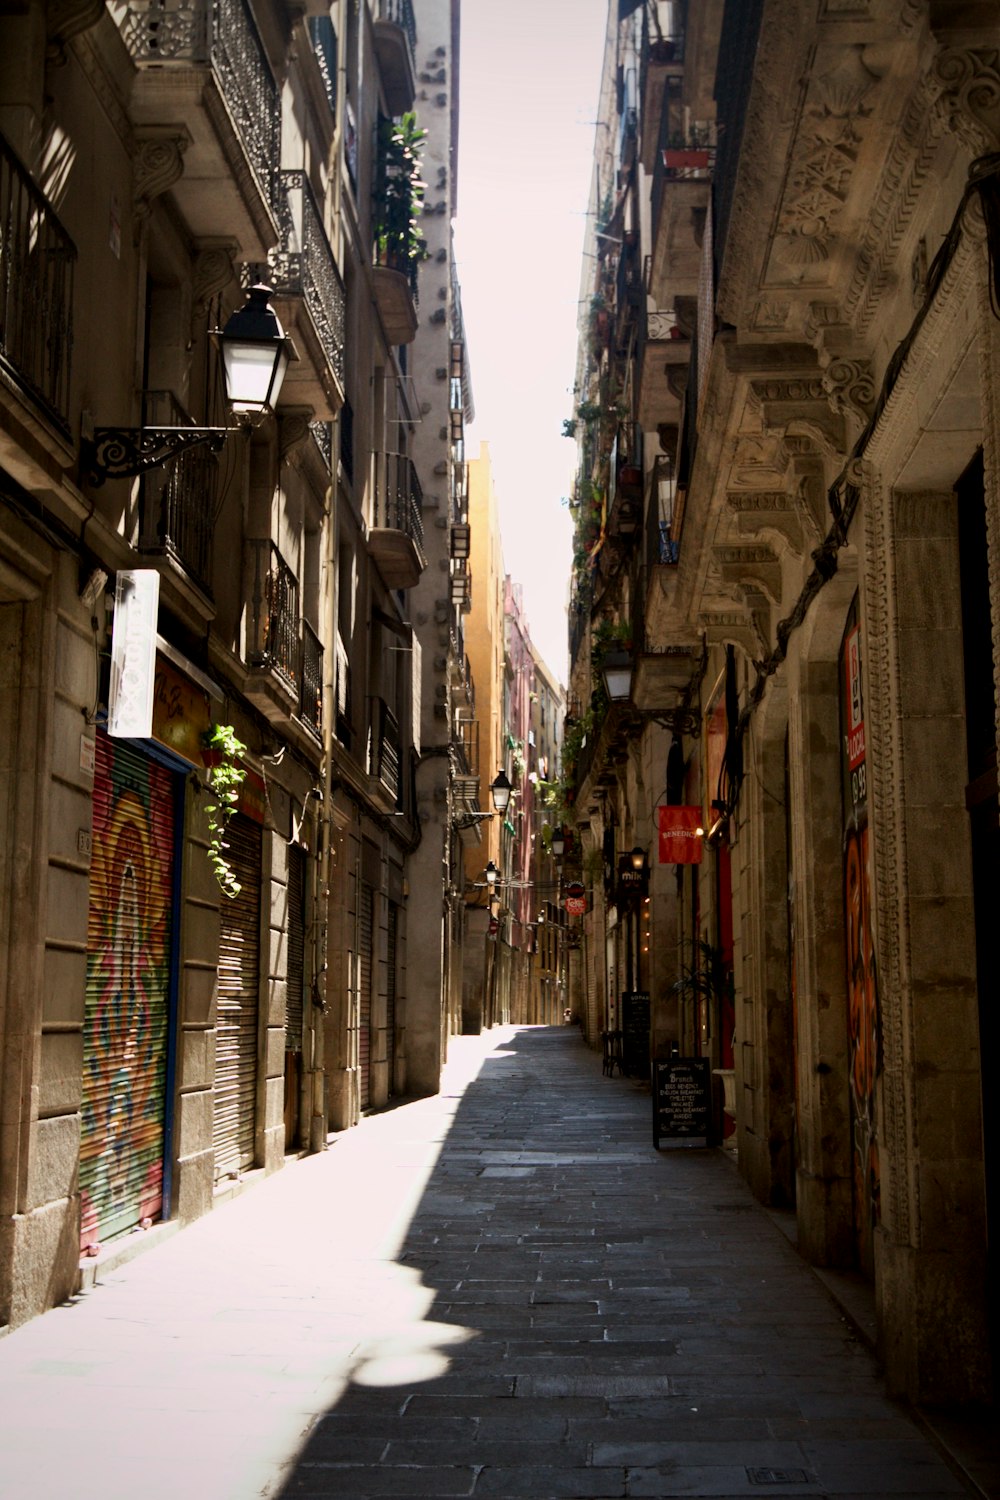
(133, 654)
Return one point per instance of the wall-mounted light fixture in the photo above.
(255, 356)
(617, 671)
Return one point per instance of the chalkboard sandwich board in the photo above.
(635, 1033)
(682, 1101)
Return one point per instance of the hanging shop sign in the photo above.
(181, 712)
(575, 899)
(681, 836)
(632, 883)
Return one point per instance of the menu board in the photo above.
(682, 1101)
(635, 1033)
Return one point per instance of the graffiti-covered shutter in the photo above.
(236, 1036)
(127, 1003)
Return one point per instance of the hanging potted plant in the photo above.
(221, 754)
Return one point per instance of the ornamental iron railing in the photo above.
(36, 291)
(274, 623)
(177, 506)
(400, 13)
(311, 690)
(398, 507)
(303, 265)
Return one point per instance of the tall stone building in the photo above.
(787, 516)
(229, 759)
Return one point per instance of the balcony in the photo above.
(272, 651)
(311, 681)
(395, 48)
(309, 300)
(662, 65)
(177, 504)
(396, 536)
(384, 753)
(36, 295)
(663, 369)
(682, 192)
(203, 84)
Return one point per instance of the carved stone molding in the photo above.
(293, 429)
(733, 628)
(800, 406)
(759, 461)
(68, 18)
(969, 103)
(158, 163)
(757, 568)
(761, 511)
(882, 716)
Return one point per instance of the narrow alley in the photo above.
(503, 1290)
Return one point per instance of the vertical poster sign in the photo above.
(133, 654)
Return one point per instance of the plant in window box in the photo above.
(399, 197)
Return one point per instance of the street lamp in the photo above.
(616, 669)
(492, 875)
(558, 843)
(638, 857)
(255, 355)
(500, 790)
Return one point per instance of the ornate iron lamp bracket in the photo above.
(122, 452)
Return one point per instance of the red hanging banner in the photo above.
(680, 835)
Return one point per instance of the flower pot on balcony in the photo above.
(681, 162)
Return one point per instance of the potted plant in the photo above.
(399, 197)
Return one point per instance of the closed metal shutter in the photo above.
(390, 992)
(236, 1030)
(365, 923)
(295, 1003)
(127, 1002)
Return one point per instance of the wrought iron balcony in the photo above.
(36, 292)
(385, 749)
(396, 537)
(305, 278)
(311, 690)
(202, 68)
(273, 645)
(178, 500)
(395, 47)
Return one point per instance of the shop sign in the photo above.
(133, 654)
(575, 900)
(681, 836)
(632, 883)
(181, 713)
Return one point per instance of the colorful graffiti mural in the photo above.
(128, 987)
(863, 1026)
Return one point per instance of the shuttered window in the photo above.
(236, 1036)
(127, 1002)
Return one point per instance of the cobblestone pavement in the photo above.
(502, 1291)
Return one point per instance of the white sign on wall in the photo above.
(133, 654)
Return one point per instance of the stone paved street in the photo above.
(502, 1291)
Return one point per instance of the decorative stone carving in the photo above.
(823, 159)
(760, 511)
(758, 460)
(969, 104)
(734, 628)
(850, 387)
(213, 271)
(770, 316)
(158, 164)
(65, 19)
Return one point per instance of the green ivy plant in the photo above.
(226, 778)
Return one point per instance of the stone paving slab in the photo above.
(503, 1291)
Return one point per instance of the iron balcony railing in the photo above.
(274, 613)
(322, 436)
(399, 503)
(224, 37)
(303, 266)
(662, 530)
(385, 753)
(36, 291)
(178, 500)
(311, 689)
(324, 45)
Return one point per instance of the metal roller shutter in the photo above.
(365, 922)
(295, 1002)
(236, 1035)
(127, 1003)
